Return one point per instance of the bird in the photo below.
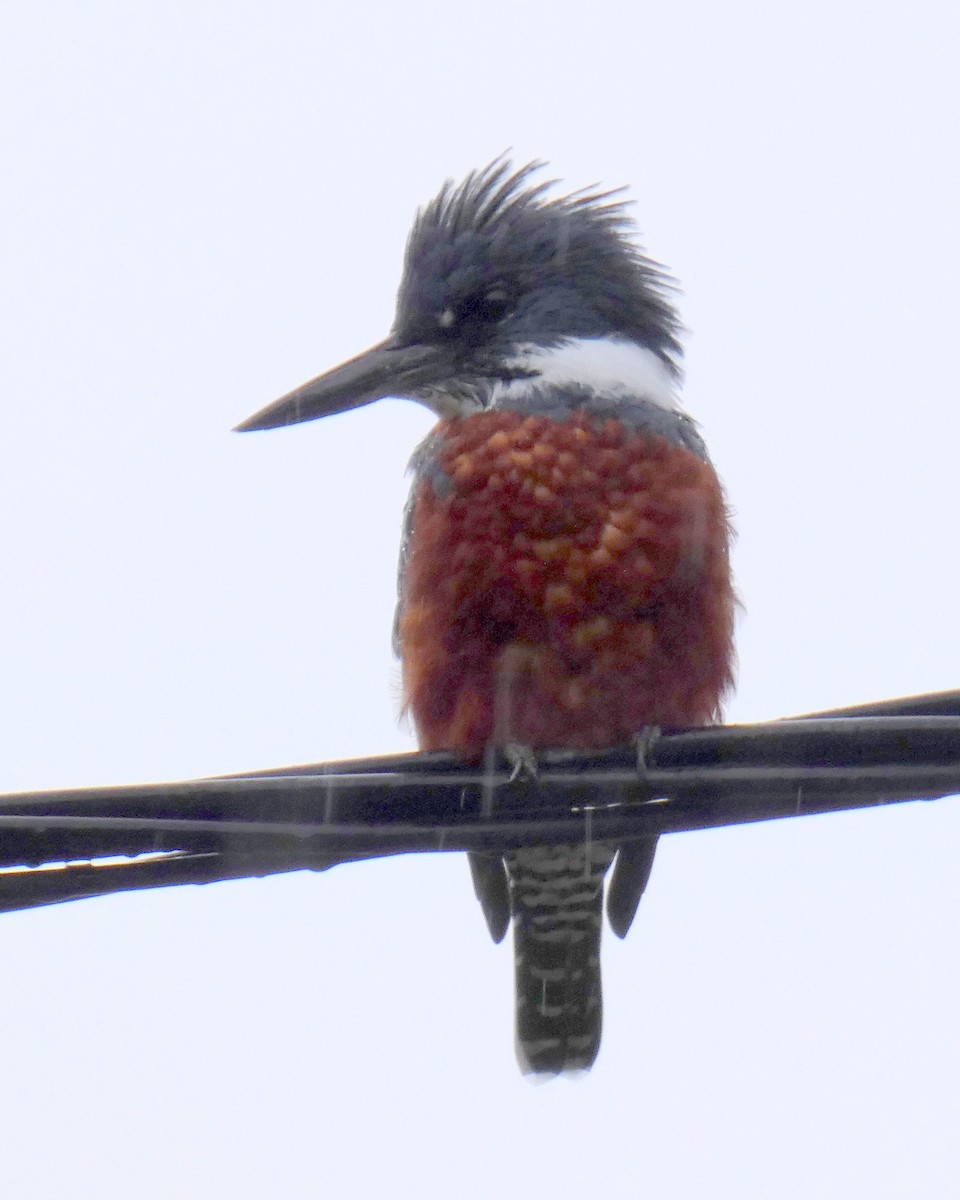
(564, 577)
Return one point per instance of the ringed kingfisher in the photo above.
(564, 573)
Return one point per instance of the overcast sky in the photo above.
(203, 205)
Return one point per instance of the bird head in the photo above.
(506, 288)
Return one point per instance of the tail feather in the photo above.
(556, 895)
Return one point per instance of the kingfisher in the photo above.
(564, 570)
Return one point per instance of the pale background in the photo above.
(203, 204)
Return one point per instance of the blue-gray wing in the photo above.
(423, 467)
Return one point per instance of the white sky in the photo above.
(204, 204)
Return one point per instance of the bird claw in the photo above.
(645, 740)
(522, 762)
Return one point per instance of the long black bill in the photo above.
(387, 369)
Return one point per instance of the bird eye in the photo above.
(490, 306)
(477, 310)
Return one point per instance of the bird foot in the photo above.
(644, 741)
(522, 762)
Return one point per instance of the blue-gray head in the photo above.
(506, 289)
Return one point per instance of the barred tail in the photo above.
(556, 897)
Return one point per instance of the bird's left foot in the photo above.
(644, 741)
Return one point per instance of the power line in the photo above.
(66, 845)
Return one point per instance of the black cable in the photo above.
(63, 845)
